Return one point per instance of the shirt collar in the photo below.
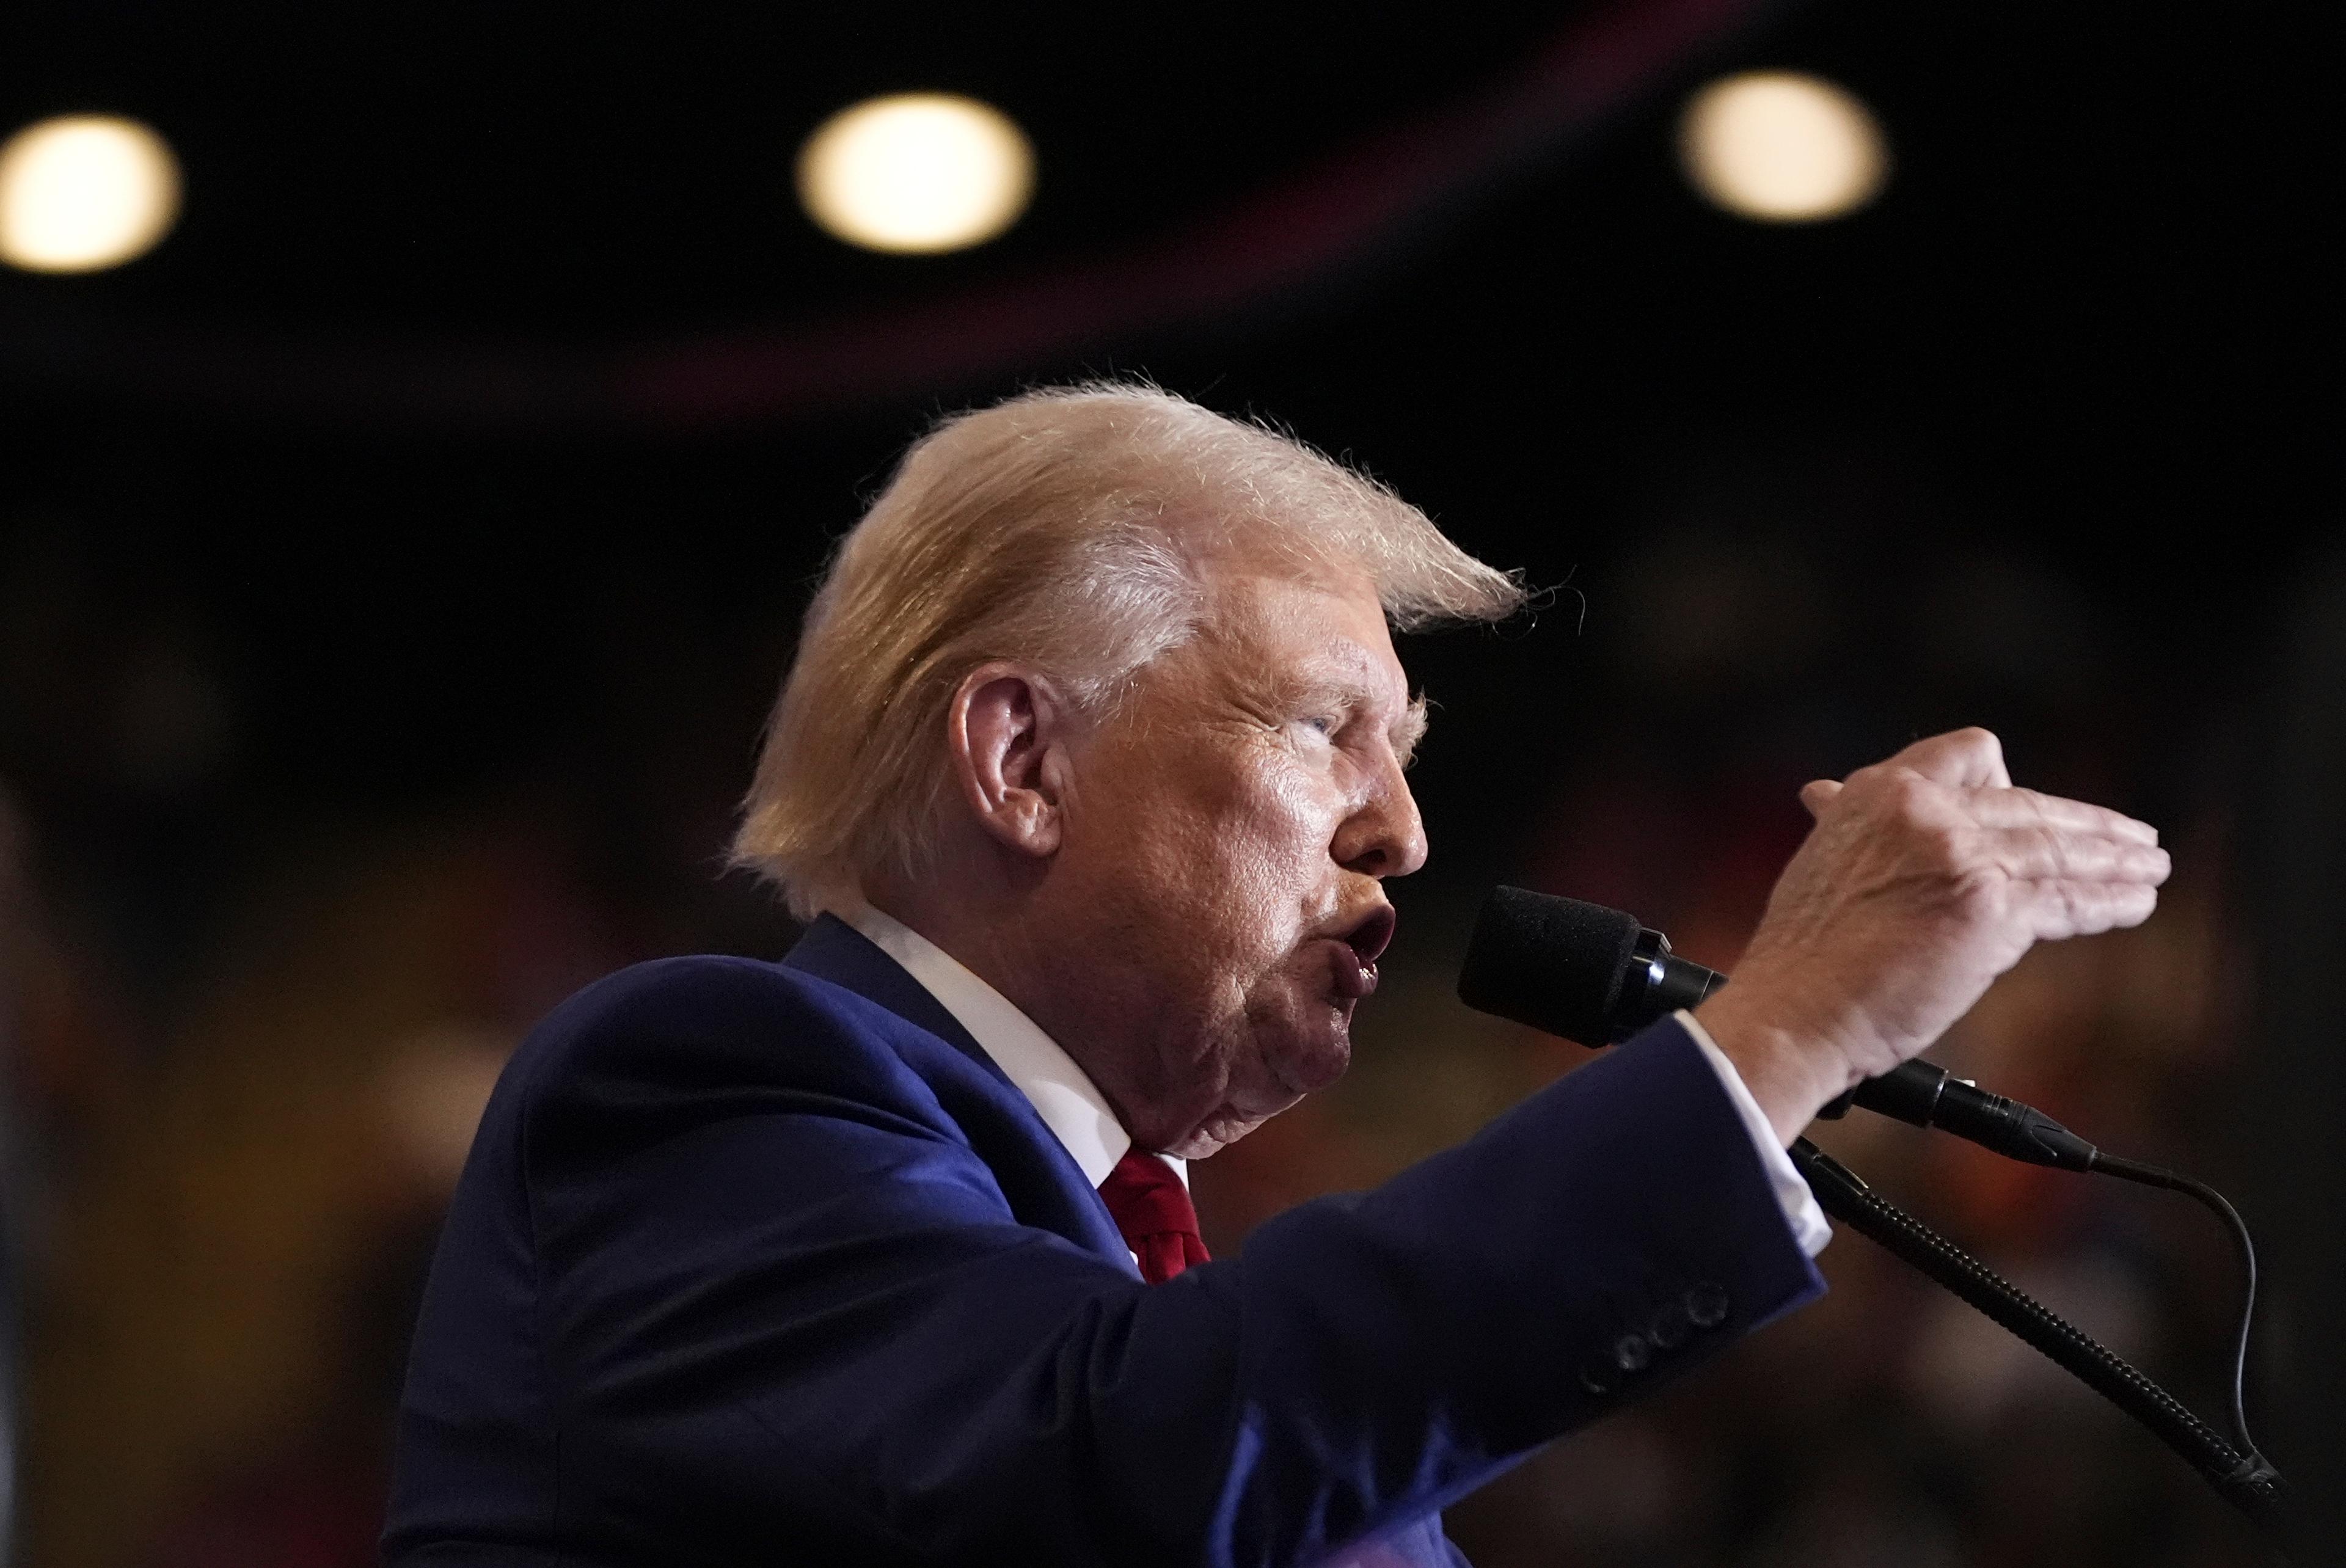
(1062, 1093)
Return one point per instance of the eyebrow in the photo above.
(1409, 729)
(1346, 691)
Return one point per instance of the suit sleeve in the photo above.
(800, 1305)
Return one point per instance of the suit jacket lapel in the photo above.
(835, 951)
(1041, 1179)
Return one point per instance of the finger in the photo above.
(1818, 793)
(2059, 908)
(2008, 808)
(2039, 854)
(1963, 758)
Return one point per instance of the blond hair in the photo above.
(1062, 528)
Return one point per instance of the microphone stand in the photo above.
(2244, 1480)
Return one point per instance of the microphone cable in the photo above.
(2242, 1475)
(2243, 1246)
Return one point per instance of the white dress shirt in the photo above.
(1063, 1095)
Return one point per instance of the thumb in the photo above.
(1818, 793)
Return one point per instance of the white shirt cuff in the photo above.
(1792, 1195)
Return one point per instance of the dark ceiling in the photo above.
(2075, 206)
(548, 170)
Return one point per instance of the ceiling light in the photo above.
(84, 192)
(916, 172)
(1782, 148)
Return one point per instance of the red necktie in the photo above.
(1152, 1208)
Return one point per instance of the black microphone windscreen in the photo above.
(1555, 964)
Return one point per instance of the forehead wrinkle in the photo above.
(1239, 634)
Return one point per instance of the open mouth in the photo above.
(1361, 943)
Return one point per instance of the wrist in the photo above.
(1791, 1072)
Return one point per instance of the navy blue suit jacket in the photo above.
(769, 1263)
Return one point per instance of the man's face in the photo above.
(1225, 837)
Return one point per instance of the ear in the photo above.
(1008, 734)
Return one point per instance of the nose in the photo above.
(1384, 836)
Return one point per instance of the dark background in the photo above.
(383, 640)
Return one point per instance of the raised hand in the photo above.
(1924, 878)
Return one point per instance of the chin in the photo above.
(1276, 1056)
(1308, 1059)
(1285, 1071)
(1308, 1073)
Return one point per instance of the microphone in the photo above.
(1589, 973)
(1594, 975)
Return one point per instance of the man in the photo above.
(1088, 774)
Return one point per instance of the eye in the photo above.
(1325, 725)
